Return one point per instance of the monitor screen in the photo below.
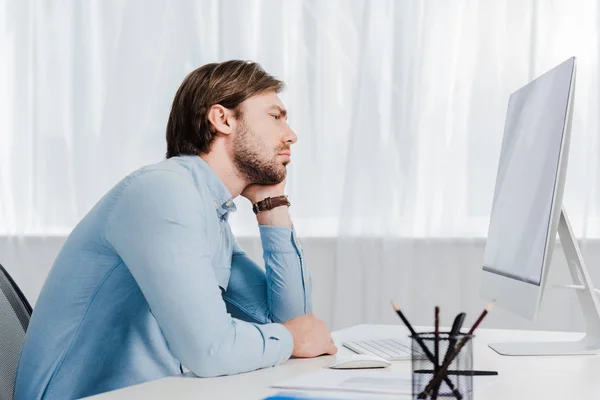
(527, 176)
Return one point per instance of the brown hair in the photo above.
(228, 83)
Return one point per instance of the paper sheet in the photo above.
(352, 381)
(363, 381)
(291, 395)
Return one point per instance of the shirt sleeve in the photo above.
(160, 229)
(280, 291)
(289, 283)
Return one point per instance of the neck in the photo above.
(223, 166)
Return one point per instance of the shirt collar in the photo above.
(222, 199)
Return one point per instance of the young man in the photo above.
(152, 280)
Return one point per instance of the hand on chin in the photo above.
(256, 192)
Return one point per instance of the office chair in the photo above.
(15, 312)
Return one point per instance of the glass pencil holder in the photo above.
(457, 381)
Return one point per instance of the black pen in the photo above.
(456, 325)
(459, 373)
(454, 332)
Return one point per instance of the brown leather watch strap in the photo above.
(270, 203)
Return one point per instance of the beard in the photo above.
(251, 158)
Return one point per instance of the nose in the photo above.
(290, 136)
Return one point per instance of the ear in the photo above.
(221, 118)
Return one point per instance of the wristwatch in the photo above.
(270, 203)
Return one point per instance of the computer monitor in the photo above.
(527, 210)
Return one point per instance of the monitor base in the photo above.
(590, 307)
(585, 346)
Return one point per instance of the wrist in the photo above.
(278, 216)
(270, 203)
(289, 325)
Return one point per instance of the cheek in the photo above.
(271, 140)
(265, 147)
(266, 136)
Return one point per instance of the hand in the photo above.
(256, 193)
(311, 336)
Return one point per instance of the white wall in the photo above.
(454, 286)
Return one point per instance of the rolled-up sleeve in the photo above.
(159, 228)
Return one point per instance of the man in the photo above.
(152, 280)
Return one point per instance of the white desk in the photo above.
(548, 378)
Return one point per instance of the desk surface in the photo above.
(564, 377)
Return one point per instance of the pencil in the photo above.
(425, 350)
(444, 368)
(436, 350)
(481, 317)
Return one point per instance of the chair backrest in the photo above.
(15, 312)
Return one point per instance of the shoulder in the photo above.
(168, 179)
(165, 185)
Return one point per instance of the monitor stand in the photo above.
(590, 343)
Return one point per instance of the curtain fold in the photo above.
(399, 107)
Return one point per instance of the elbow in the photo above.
(228, 351)
(216, 358)
(208, 363)
(208, 367)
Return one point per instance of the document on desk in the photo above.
(383, 382)
(352, 381)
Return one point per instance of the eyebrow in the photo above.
(282, 111)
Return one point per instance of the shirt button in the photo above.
(228, 203)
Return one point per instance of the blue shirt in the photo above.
(152, 281)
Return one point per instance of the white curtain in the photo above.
(427, 123)
(399, 107)
(87, 88)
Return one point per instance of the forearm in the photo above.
(289, 286)
(289, 291)
(240, 347)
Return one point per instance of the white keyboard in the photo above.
(388, 349)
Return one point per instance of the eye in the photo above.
(276, 116)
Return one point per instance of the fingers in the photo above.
(332, 348)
